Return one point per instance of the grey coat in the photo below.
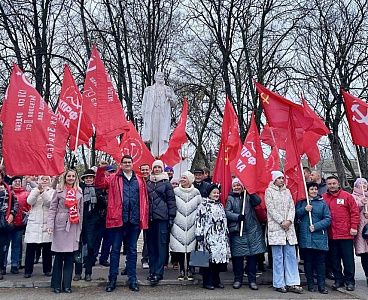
(66, 236)
(252, 241)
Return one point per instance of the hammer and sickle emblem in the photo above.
(265, 98)
(362, 118)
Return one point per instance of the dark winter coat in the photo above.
(162, 203)
(203, 188)
(321, 219)
(8, 205)
(252, 241)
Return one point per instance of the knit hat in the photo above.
(168, 168)
(88, 172)
(276, 174)
(110, 169)
(15, 178)
(360, 181)
(212, 187)
(189, 175)
(158, 163)
(237, 180)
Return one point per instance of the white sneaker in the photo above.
(145, 265)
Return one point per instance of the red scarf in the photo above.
(71, 202)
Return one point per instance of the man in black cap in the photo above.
(200, 184)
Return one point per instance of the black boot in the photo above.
(111, 285)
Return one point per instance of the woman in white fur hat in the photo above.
(281, 235)
(182, 237)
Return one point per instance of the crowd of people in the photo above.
(76, 222)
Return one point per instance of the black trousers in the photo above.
(92, 225)
(342, 250)
(238, 268)
(4, 244)
(157, 234)
(62, 271)
(364, 261)
(145, 248)
(315, 260)
(180, 258)
(30, 257)
(211, 275)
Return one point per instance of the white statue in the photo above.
(156, 112)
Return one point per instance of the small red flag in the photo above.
(357, 115)
(133, 145)
(251, 163)
(229, 146)
(69, 110)
(101, 102)
(34, 140)
(179, 137)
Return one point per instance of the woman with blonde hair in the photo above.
(65, 224)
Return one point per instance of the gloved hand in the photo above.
(241, 218)
(200, 238)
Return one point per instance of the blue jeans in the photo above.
(106, 245)
(131, 233)
(285, 266)
(16, 247)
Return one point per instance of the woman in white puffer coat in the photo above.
(36, 230)
(182, 236)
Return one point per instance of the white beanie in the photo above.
(276, 174)
(158, 163)
(188, 175)
(237, 180)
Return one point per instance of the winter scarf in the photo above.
(71, 203)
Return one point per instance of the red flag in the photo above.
(133, 145)
(278, 110)
(229, 146)
(357, 115)
(251, 163)
(109, 146)
(69, 110)
(179, 137)
(34, 140)
(318, 126)
(101, 103)
(293, 171)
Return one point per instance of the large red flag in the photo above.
(357, 115)
(101, 102)
(278, 110)
(108, 145)
(293, 171)
(69, 110)
(251, 163)
(133, 145)
(179, 137)
(34, 140)
(229, 146)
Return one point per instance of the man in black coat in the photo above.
(199, 183)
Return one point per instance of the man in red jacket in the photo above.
(127, 214)
(343, 228)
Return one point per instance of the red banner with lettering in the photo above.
(101, 102)
(69, 110)
(34, 140)
(250, 162)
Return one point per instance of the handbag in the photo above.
(199, 258)
(365, 232)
